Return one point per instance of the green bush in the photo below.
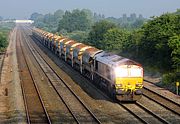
(3, 41)
(80, 36)
(4, 32)
(169, 78)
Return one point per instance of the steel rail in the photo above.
(36, 87)
(159, 94)
(135, 115)
(152, 113)
(95, 118)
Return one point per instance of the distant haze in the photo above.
(22, 9)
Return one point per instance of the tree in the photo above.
(49, 18)
(132, 17)
(75, 20)
(115, 39)
(38, 20)
(154, 44)
(98, 17)
(80, 36)
(124, 17)
(88, 13)
(58, 15)
(97, 32)
(137, 23)
(174, 44)
(3, 40)
(35, 16)
(132, 47)
(177, 12)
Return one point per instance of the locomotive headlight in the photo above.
(121, 72)
(119, 86)
(136, 72)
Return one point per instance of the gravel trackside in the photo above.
(11, 100)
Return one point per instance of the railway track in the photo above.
(178, 104)
(141, 112)
(35, 109)
(161, 100)
(79, 111)
(164, 102)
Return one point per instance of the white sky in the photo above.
(22, 9)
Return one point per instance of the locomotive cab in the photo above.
(128, 81)
(120, 76)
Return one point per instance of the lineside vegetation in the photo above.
(4, 32)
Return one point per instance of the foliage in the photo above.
(36, 17)
(130, 23)
(169, 78)
(96, 35)
(81, 20)
(4, 31)
(156, 35)
(58, 15)
(174, 44)
(177, 12)
(89, 15)
(98, 17)
(132, 47)
(3, 40)
(80, 36)
(75, 20)
(159, 46)
(48, 21)
(115, 39)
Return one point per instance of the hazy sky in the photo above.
(22, 9)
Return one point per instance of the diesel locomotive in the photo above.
(121, 78)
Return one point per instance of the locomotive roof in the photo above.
(113, 59)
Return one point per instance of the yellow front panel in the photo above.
(128, 83)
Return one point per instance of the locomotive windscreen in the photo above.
(129, 71)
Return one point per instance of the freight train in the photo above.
(121, 78)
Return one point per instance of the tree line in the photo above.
(81, 20)
(155, 42)
(4, 31)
